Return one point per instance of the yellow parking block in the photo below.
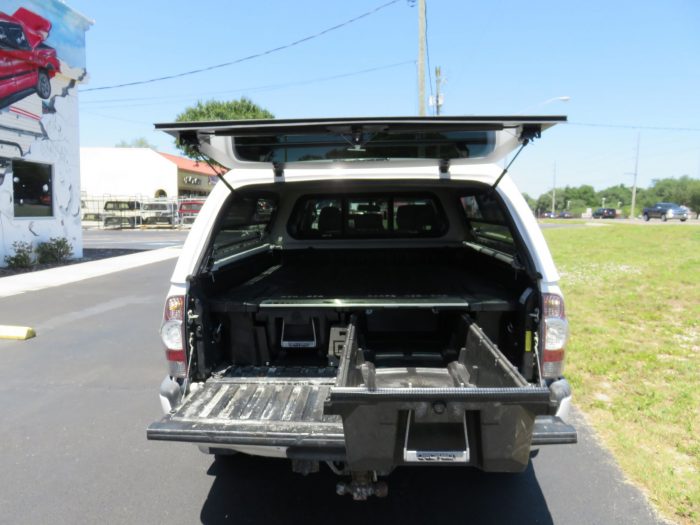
(16, 332)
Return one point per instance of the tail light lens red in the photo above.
(555, 335)
(172, 335)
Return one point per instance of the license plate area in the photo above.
(429, 442)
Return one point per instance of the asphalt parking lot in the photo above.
(78, 397)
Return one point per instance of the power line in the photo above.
(117, 101)
(623, 126)
(249, 57)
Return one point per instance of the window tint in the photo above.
(367, 216)
(486, 223)
(374, 145)
(122, 205)
(243, 226)
(33, 189)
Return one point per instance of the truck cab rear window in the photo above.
(367, 216)
(487, 224)
(243, 226)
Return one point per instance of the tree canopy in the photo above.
(682, 190)
(139, 142)
(242, 108)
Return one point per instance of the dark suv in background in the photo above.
(665, 211)
(604, 213)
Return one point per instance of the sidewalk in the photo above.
(31, 281)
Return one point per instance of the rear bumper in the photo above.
(498, 421)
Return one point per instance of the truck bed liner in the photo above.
(301, 283)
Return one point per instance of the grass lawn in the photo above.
(633, 301)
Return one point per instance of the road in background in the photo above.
(133, 239)
(76, 401)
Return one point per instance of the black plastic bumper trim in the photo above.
(551, 430)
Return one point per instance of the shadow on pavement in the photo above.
(260, 490)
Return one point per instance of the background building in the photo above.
(142, 173)
(194, 178)
(42, 60)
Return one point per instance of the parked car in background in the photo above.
(188, 210)
(665, 211)
(91, 219)
(566, 215)
(26, 64)
(547, 215)
(122, 214)
(159, 213)
(604, 213)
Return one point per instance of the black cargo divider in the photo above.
(498, 405)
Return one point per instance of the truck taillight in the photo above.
(555, 334)
(171, 333)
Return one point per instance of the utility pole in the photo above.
(421, 57)
(634, 183)
(554, 186)
(438, 96)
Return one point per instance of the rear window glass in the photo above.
(367, 216)
(365, 146)
(487, 224)
(243, 226)
(122, 205)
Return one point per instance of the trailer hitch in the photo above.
(362, 485)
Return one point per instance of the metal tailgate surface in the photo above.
(279, 412)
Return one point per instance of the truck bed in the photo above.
(337, 283)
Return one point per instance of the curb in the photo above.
(16, 332)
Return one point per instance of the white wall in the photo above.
(126, 172)
(58, 147)
(45, 131)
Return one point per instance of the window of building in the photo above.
(33, 189)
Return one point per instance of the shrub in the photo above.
(22, 257)
(57, 249)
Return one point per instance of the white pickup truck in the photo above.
(366, 293)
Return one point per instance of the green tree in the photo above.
(615, 196)
(532, 203)
(694, 197)
(135, 143)
(242, 108)
(544, 202)
(670, 190)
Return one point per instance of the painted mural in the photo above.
(42, 61)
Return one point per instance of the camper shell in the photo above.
(366, 293)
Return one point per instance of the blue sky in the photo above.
(633, 64)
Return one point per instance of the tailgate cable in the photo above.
(537, 357)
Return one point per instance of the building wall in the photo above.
(43, 130)
(126, 172)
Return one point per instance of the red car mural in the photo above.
(27, 65)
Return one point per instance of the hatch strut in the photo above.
(528, 134)
(190, 139)
(220, 175)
